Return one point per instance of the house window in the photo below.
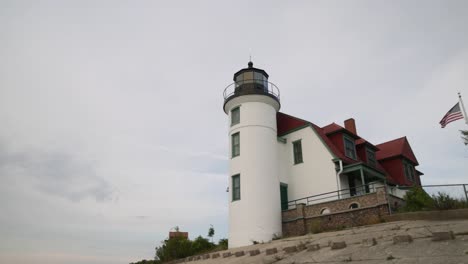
(235, 116)
(235, 144)
(297, 150)
(325, 211)
(409, 171)
(350, 148)
(354, 206)
(371, 157)
(236, 187)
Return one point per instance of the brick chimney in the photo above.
(350, 125)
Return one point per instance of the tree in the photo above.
(201, 245)
(174, 248)
(211, 232)
(464, 136)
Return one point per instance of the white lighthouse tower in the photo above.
(251, 103)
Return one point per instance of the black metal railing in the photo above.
(252, 86)
(459, 191)
(335, 195)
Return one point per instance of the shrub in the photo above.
(417, 200)
(443, 201)
(223, 244)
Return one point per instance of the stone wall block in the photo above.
(338, 245)
(313, 247)
(239, 253)
(442, 236)
(254, 252)
(271, 251)
(289, 250)
(402, 239)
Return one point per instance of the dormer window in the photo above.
(371, 157)
(409, 171)
(350, 148)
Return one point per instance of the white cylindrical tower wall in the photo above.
(257, 215)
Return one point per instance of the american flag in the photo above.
(452, 115)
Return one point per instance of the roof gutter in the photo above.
(338, 178)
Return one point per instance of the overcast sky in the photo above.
(111, 123)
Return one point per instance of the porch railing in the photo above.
(334, 195)
(459, 191)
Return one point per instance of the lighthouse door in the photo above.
(284, 196)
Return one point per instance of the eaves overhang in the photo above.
(366, 168)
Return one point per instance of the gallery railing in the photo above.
(252, 86)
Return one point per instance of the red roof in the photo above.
(395, 148)
(363, 141)
(328, 129)
(286, 123)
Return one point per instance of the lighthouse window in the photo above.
(235, 144)
(235, 116)
(297, 149)
(236, 187)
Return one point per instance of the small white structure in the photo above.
(277, 158)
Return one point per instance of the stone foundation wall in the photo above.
(308, 218)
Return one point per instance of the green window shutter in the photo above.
(236, 187)
(297, 151)
(235, 144)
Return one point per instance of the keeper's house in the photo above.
(278, 161)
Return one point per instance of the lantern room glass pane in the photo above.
(248, 77)
(239, 79)
(258, 78)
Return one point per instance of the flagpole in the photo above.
(463, 108)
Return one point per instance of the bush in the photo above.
(417, 200)
(174, 248)
(180, 247)
(144, 261)
(443, 201)
(223, 244)
(201, 245)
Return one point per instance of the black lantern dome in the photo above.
(249, 81)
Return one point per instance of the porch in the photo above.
(359, 179)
